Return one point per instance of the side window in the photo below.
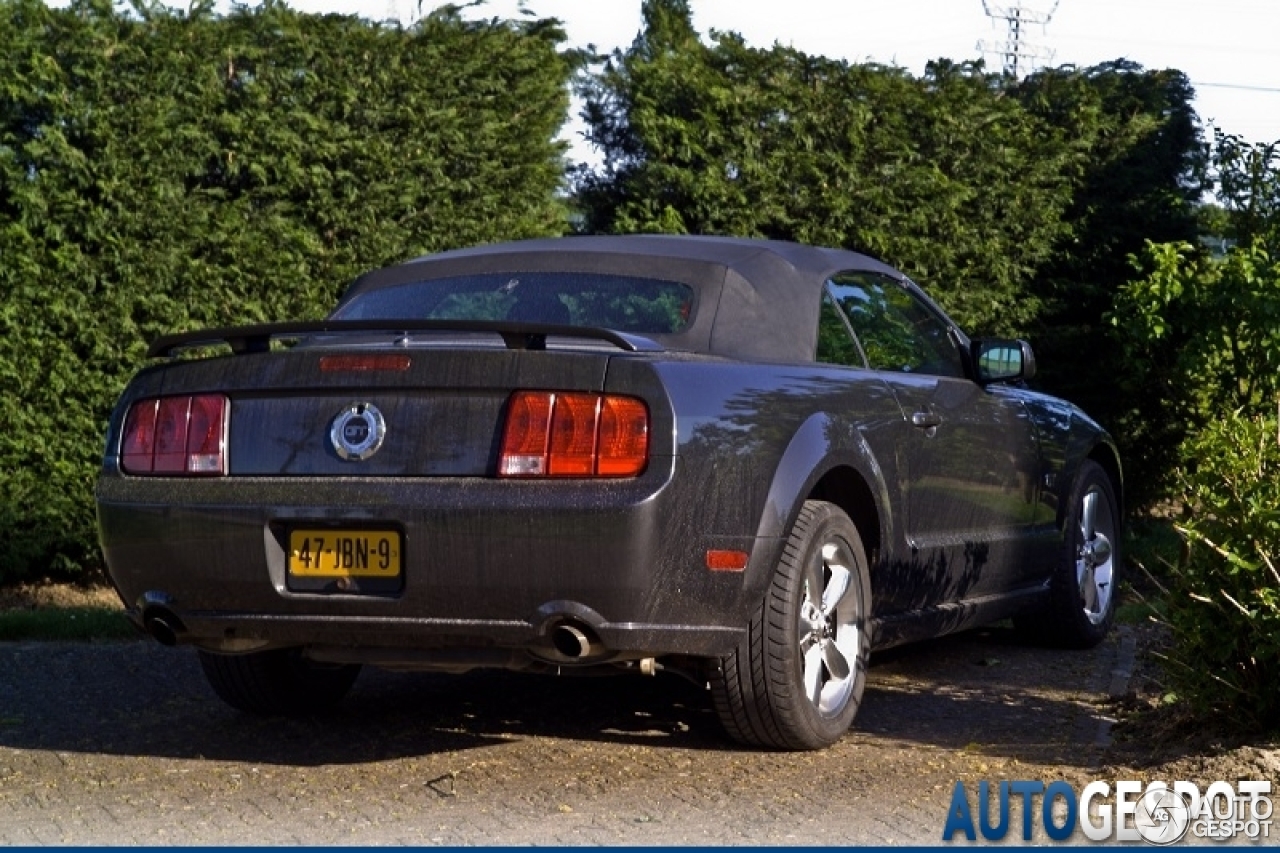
(835, 342)
(897, 331)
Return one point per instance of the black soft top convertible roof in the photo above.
(757, 299)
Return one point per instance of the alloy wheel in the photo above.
(1095, 568)
(829, 625)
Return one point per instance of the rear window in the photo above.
(621, 303)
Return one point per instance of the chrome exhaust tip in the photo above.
(574, 642)
(163, 626)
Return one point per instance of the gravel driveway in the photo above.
(123, 743)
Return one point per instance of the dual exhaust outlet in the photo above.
(572, 640)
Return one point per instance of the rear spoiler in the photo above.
(255, 339)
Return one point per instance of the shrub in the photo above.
(1225, 607)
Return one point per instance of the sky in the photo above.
(1230, 49)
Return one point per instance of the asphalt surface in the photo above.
(123, 743)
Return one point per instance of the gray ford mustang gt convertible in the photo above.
(751, 462)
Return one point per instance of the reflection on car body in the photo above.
(751, 462)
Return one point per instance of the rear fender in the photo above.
(819, 446)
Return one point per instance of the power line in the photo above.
(1015, 51)
(1239, 86)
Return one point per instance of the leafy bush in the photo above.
(1201, 332)
(1142, 182)
(1225, 607)
(1200, 336)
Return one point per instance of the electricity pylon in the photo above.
(1017, 55)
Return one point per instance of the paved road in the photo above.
(123, 743)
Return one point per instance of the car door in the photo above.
(969, 452)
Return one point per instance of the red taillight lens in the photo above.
(567, 434)
(137, 450)
(176, 435)
(624, 437)
(573, 435)
(171, 435)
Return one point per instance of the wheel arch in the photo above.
(845, 487)
(1106, 456)
(825, 460)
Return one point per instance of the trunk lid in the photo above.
(443, 411)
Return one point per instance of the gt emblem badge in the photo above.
(357, 431)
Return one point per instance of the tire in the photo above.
(1082, 603)
(278, 682)
(796, 679)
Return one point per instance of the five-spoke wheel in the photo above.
(796, 679)
(1095, 560)
(1081, 604)
(830, 633)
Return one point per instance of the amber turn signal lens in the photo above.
(727, 561)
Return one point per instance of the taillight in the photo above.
(571, 434)
(176, 435)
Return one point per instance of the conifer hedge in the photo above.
(163, 170)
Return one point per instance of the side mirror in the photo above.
(1003, 360)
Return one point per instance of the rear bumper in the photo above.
(489, 567)
(433, 642)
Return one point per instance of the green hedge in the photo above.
(162, 171)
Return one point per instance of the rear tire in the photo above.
(277, 682)
(1082, 602)
(796, 680)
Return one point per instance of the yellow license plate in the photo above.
(344, 553)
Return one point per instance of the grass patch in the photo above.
(51, 611)
(66, 623)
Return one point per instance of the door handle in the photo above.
(925, 420)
